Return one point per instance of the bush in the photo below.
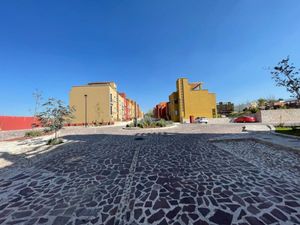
(34, 133)
(54, 141)
(140, 125)
(148, 122)
(130, 125)
(161, 123)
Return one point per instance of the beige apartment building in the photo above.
(131, 108)
(97, 102)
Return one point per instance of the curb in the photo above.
(157, 128)
(296, 150)
(285, 135)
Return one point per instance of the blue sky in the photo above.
(144, 46)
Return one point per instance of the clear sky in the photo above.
(144, 46)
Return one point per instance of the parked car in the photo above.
(201, 120)
(245, 119)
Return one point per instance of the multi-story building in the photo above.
(161, 111)
(121, 108)
(98, 102)
(225, 108)
(190, 100)
(139, 112)
(126, 107)
(132, 108)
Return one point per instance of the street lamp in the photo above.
(85, 101)
(135, 119)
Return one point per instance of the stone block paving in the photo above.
(146, 178)
(280, 162)
(193, 182)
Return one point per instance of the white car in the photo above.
(201, 120)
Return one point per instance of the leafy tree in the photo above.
(261, 102)
(55, 114)
(253, 109)
(37, 95)
(286, 75)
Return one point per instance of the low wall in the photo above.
(218, 120)
(279, 116)
(17, 122)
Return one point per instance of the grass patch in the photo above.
(34, 133)
(288, 130)
(55, 141)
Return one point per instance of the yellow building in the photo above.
(95, 102)
(139, 112)
(98, 103)
(191, 100)
(121, 108)
(131, 107)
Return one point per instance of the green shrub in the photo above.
(140, 125)
(47, 130)
(148, 122)
(295, 127)
(161, 123)
(54, 141)
(130, 125)
(34, 133)
(151, 123)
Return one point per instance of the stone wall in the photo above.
(279, 116)
(219, 120)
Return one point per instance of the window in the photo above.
(111, 110)
(176, 112)
(176, 101)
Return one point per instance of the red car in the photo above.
(245, 119)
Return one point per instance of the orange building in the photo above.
(161, 111)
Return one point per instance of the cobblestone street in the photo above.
(164, 176)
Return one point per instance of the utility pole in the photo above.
(85, 100)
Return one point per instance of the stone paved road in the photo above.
(173, 176)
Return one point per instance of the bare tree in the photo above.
(37, 96)
(286, 75)
(55, 114)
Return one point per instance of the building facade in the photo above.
(160, 111)
(121, 108)
(98, 103)
(190, 100)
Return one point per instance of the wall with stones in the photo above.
(285, 116)
(219, 120)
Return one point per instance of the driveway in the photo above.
(171, 176)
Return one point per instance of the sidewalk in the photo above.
(279, 140)
(271, 138)
(11, 134)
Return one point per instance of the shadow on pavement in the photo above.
(146, 178)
